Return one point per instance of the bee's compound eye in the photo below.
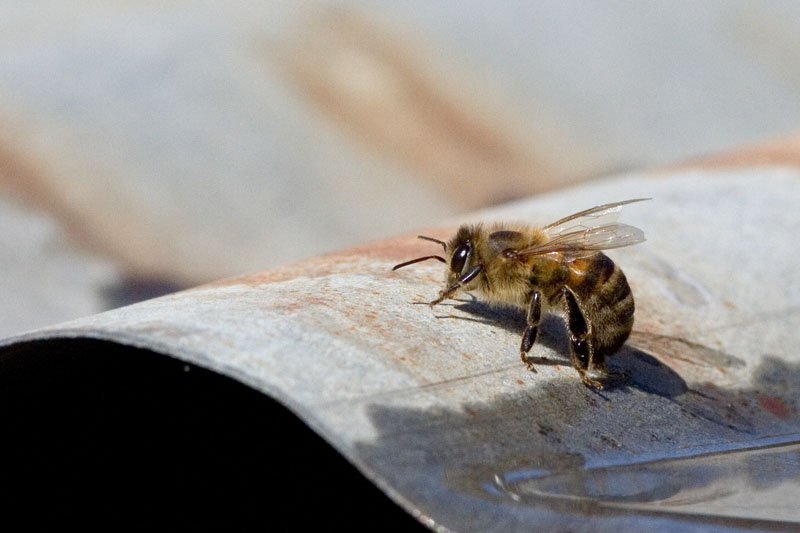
(460, 258)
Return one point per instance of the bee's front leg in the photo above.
(463, 280)
(532, 321)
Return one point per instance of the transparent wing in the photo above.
(601, 215)
(585, 242)
(586, 232)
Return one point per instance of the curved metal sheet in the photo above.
(435, 406)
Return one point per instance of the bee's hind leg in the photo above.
(589, 364)
(531, 328)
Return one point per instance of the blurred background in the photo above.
(149, 146)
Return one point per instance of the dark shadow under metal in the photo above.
(95, 431)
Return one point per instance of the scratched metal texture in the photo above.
(436, 408)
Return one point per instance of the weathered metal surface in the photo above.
(194, 140)
(170, 144)
(436, 407)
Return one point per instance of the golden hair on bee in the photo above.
(559, 266)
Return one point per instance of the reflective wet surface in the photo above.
(704, 482)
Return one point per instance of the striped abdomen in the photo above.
(605, 300)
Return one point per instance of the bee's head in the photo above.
(463, 263)
(461, 253)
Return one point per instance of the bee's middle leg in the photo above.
(532, 326)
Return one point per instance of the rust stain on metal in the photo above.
(776, 152)
(372, 80)
(399, 248)
(774, 405)
(21, 177)
(392, 250)
(30, 183)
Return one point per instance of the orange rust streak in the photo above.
(380, 84)
(394, 250)
(774, 405)
(775, 152)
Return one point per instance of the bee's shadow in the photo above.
(551, 328)
(636, 369)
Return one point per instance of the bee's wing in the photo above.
(589, 231)
(598, 216)
(585, 242)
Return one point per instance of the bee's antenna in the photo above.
(417, 260)
(444, 244)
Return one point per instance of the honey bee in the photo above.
(558, 268)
